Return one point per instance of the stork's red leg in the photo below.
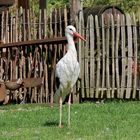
(69, 103)
(60, 113)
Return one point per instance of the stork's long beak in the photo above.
(76, 34)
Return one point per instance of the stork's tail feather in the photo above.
(56, 97)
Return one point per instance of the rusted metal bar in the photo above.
(57, 40)
(22, 83)
(6, 2)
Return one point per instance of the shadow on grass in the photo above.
(52, 123)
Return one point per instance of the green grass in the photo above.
(89, 121)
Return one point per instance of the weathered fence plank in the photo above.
(82, 50)
(98, 78)
(6, 27)
(2, 28)
(135, 69)
(28, 25)
(117, 55)
(92, 58)
(103, 58)
(107, 36)
(2, 51)
(78, 84)
(139, 42)
(54, 59)
(40, 28)
(86, 57)
(24, 26)
(45, 54)
(129, 69)
(123, 60)
(65, 25)
(7, 41)
(113, 55)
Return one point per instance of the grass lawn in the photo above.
(89, 121)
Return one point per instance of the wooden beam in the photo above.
(58, 40)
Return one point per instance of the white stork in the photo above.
(67, 71)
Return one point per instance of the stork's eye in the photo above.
(71, 29)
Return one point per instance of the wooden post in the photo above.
(42, 4)
(23, 3)
(75, 7)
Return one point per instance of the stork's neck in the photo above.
(71, 44)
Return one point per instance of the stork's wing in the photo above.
(67, 72)
(61, 79)
(62, 71)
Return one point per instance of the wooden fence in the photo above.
(109, 59)
(28, 60)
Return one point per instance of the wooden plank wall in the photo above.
(110, 61)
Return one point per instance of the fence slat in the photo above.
(129, 69)
(135, 73)
(92, 59)
(51, 33)
(2, 41)
(65, 16)
(98, 56)
(117, 56)
(138, 63)
(2, 27)
(45, 54)
(2, 53)
(28, 24)
(82, 50)
(6, 27)
(113, 57)
(123, 60)
(103, 57)
(78, 84)
(65, 25)
(60, 31)
(24, 26)
(20, 24)
(6, 41)
(107, 36)
(54, 58)
(40, 58)
(87, 59)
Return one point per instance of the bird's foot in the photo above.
(60, 126)
(51, 105)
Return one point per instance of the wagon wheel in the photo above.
(2, 92)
